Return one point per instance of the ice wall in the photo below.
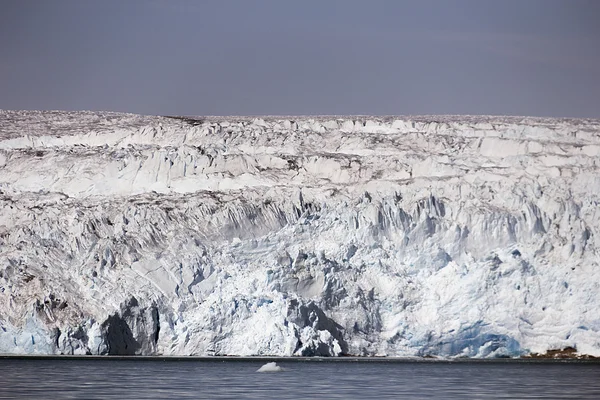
(399, 236)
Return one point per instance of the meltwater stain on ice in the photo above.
(270, 367)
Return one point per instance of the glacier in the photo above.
(424, 236)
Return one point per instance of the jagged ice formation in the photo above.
(397, 236)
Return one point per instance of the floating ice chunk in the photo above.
(270, 367)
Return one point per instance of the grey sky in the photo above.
(517, 57)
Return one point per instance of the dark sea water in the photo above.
(159, 379)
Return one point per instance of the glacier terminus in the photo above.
(441, 236)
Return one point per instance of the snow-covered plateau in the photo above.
(283, 236)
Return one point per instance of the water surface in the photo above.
(160, 379)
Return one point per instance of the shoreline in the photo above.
(528, 360)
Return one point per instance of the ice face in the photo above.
(315, 236)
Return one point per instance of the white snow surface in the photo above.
(374, 236)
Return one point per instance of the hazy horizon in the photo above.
(383, 57)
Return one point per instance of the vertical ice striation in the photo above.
(315, 236)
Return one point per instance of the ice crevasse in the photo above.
(447, 236)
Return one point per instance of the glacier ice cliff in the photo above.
(313, 236)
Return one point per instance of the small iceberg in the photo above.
(270, 367)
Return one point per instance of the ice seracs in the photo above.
(306, 236)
